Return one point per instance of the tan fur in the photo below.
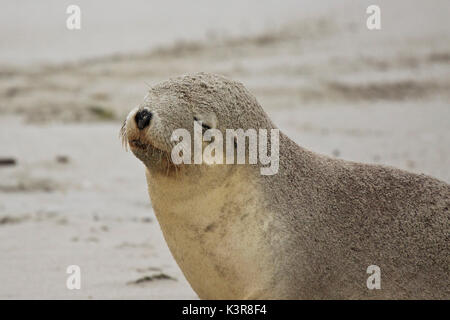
(309, 231)
(216, 241)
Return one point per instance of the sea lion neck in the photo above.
(208, 224)
(197, 181)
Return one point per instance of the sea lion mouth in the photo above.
(137, 143)
(152, 156)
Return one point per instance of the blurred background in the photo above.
(71, 195)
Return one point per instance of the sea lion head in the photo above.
(212, 101)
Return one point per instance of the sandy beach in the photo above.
(72, 194)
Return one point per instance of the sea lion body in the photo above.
(307, 232)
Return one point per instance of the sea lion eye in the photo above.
(204, 125)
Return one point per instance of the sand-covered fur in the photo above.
(309, 231)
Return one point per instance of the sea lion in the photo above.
(310, 231)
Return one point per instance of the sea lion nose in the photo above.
(143, 118)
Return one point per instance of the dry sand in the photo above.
(76, 197)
